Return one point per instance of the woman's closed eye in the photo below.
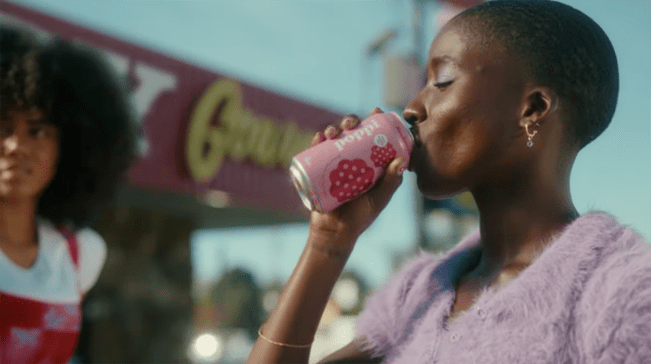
(445, 76)
(442, 85)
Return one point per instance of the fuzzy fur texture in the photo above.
(586, 299)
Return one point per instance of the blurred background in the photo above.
(209, 226)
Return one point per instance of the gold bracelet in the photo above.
(282, 344)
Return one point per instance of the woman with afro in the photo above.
(67, 136)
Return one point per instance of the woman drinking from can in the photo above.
(515, 90)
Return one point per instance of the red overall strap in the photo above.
(73, 244)
(73, 248)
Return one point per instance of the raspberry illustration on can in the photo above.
(350, 178)
(340, 169)
(381, 156)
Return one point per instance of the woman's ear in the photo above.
(538, 104)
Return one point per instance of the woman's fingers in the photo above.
(348, 122)
(331, 131)
(377, 110)
(316, 139)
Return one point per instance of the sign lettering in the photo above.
(237, 133)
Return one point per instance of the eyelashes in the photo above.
(443, 84)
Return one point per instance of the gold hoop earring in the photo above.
(529, 135)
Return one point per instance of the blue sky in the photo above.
(314, 50)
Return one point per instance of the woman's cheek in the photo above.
(48, 162)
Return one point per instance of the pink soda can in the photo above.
(337, 170)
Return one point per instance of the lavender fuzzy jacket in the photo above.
(585, 299)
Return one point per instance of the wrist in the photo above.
(334, 244)
(332, 227)
(336, 253)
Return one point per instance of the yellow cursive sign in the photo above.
(238, 134)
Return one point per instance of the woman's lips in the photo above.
(14, 174)
(10, 171)
(5, 164)
(415, 147)
(414, 133)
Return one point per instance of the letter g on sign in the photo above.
(207, 144)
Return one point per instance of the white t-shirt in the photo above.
(52, 278)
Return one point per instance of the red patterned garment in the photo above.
(40, 313)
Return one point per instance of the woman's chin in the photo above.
(434, 189)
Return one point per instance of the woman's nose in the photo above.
(13, 144)
(10, 144)
(414, 112)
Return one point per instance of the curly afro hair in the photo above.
(82, 96)
(559, 47)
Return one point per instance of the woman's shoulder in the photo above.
(85, 237)
(622, 267)
(92, 256)
(614, 312)
(623, 250)
(598, 239)
(625, 263)
(90, 238)
(91, 249)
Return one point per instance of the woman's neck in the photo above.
(516, 224)
(18, 223)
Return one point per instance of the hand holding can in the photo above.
(339, 169)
